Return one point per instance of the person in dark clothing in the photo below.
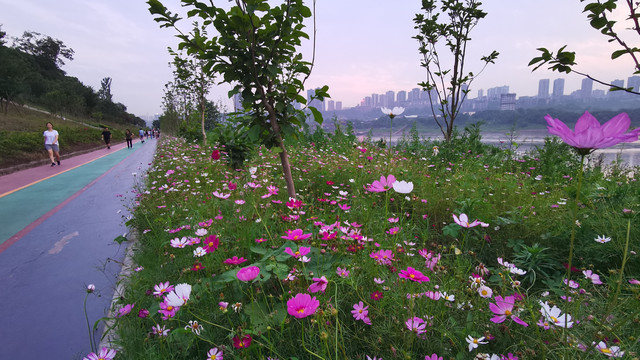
(129, 136)
(106, 136)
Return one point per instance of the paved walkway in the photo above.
(57, 227)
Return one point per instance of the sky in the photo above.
(362, 46)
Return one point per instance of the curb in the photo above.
(109, 336)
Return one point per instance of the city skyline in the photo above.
(361, 47)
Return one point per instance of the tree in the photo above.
(448, 87)
(51, 52)
(3, 35)
(193, 82)
(105, 90)
(255, 50)
(12, 75)
(599, 15)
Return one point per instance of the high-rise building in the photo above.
(495, 92)
(391, 98)
(375, 100)
(508, 101)
(237, 103)
(382, 100)
(415, 94)
(558, 87)
(315, 103)
(543, 88)
(402, 97)
(587, 88)
(634, 83)
(338, 105)
(480, 93)
(618, 83)
(331, 106)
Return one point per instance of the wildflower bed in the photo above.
(406, 254)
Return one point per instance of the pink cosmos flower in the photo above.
(417, 325)
(433, 357)
(383, 184)
(590, 135)
(294, 204)
(248, 273)
(344, 273)
(214, 354)
(361, 312)
(634, 282)
(104, 354)
(215, 154)
(242, 342)
(393, 230)
(320, 284)
(143, 313)
(296, 235)
(302, 305)
(179, 243)
(302, 251)
(595, 278)
(220, 195)
(503, 308)
(235, 260)
(160, 330)
(125, 310)
(167, 310)
(413, 275)
(463, 221)
(162, 288)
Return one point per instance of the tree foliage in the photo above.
(255, 50)
(599, 13)
(446, 85)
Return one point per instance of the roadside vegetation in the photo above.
(437, 250)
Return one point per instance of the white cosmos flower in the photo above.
(554, 315)
(179, 296)
(602, 239)
(403, 187)
(474, 342)
(392, 112)
(201, 232)
(199, 252)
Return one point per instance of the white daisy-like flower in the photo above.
(474, 342)
(485, 292)
(403, 187)
(602, 239)
(201, 232)
(199, 252)
(194, 326)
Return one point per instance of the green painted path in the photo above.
(21, 208)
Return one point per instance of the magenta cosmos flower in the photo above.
(302, 305)
(235, 260)
(319, 284)
(383, 184)
(503, 308)
(413, 275)
(590, 135)
(463, 221)
(248, 273)
(242, 342)
(302, 251)
(296, 235)
(104, 354)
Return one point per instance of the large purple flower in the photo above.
(590, 135)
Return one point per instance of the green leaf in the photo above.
(120, 239)
(317, 116)
(616, 54)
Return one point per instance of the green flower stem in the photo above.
(305, 347)
(573, 238)
(86, 317)
(613, 302)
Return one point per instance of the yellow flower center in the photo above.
(295, 237)
(605, 350)
(297, 252)
(300, 311)
(555, 319)
(507, 312)
(475, 341)
(169, 308)
(412, 276)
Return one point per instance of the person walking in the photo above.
(129, 136)
(141, 133)
(106, 136)
(51, 143)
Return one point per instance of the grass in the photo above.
(21, 135)
(525, 205)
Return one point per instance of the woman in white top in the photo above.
(51, 143)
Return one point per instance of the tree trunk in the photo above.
(204, 133)
(284, 156)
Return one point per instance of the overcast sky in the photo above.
(363, 46)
